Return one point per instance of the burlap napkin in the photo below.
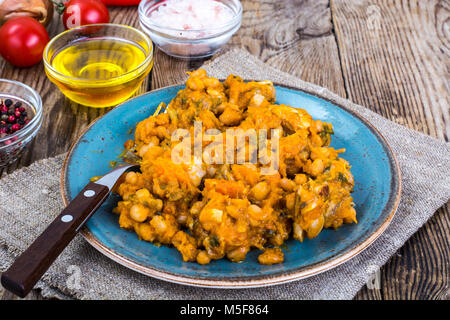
(30, 199)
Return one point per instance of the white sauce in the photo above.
(191, 15)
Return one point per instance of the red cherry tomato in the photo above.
(121, 3)
(83, 12)
(22, 41)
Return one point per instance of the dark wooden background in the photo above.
(391, 56)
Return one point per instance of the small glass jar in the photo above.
(12, 145)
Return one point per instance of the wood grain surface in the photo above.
(392, 56)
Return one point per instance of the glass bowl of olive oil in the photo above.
(99, 65)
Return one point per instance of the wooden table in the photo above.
(391, 56)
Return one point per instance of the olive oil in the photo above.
(100, 72)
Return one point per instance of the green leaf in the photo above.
(342, 177)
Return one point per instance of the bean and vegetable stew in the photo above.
(212, 210)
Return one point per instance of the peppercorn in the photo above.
(13, 117)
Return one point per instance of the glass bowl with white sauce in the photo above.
(190, 29)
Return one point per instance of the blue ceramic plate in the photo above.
(376, 195)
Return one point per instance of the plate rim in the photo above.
(258, 281)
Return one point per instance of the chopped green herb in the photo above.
(113, 164)
(328, 129)
(214, 241)
(163, 186)
(93, 179)
(342, 177)
(269, 233)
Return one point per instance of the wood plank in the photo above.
(420, 269)
(395, 61)
(293, 36)
(399, 71)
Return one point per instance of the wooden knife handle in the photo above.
(29, 267)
